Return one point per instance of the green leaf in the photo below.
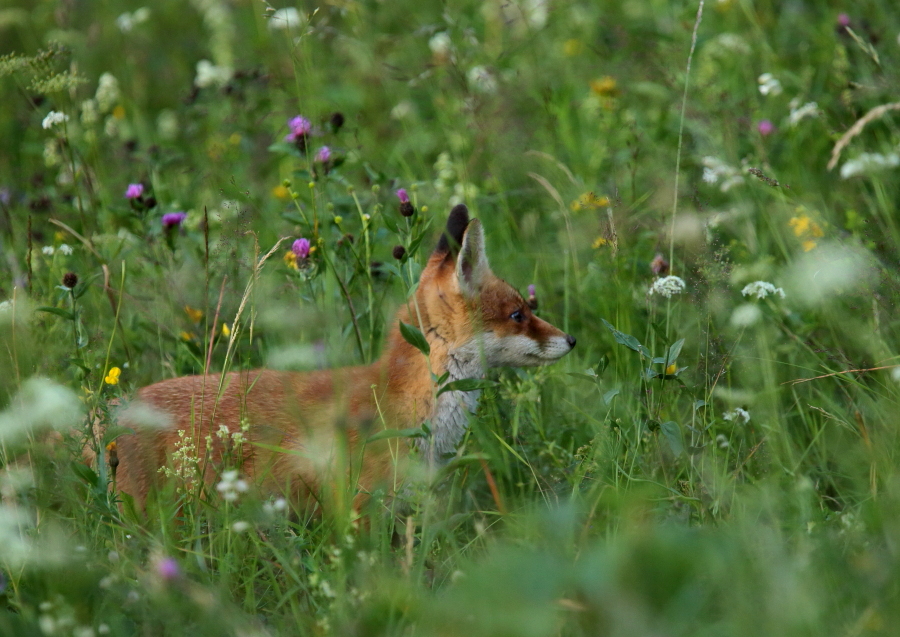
(588, 377)
(466, 384)
(601, 366)
(672, 432)
(413, 335)
(412, 432)
(66, 314)
(674, 351)
(608, 396)
(85, 473)
(627, 340)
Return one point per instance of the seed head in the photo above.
(399, 252)
(70, 280)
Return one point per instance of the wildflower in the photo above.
(842, 23)
(481, 80)
(399, 252)
(406, 207)
(240, 526)
(765, 127)
(226, 331)
(65, 249)
(112, 378)
(48, 250)
(193, 314)
(167, 568)
(441, 47)
(272, 507)
(587, 201)
(285, 19)
(806, 229)
(659, 266)
(671, 369)
(301, 248)
(761, 289)
(532, 297)
(134, 191)
(280, 192)
(290, 259)
(231, 486)
(208, 74)
(53, 118)
(605, 87)
(668, 286)
(323, 155)
(300, 126)
(107, 92)
(738, 416)
(868, 163)
(722, 441)
(715, 170)
(173, 219)
(599, 242)
(127, 21)
(70, 280)
(810, 109)
(769, 85)
(745, 315)
(186, 336)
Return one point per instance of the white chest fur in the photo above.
(452, 408)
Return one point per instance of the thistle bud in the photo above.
(70, 280)
(399, 252)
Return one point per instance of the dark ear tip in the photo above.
(457, 223)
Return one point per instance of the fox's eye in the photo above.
(517, 316)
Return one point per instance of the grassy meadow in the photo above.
(707, 201)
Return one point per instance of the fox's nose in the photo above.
(570, 340)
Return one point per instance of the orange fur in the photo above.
(304, 430)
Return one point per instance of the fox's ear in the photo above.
(452, 237)
(471, 264)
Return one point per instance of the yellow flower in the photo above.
(589, 200)
(599, 242)
(290, 259)
(112, 378)
(111, 447)
(670, 369)
(572, 47)
(816, 230)
(605, 87)
(119, 112)
(281, 192)
(194, 315)
(235, 139)
(226, 331)
(808, 245)
(800, 225)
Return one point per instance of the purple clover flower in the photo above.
(843, 20)
(134, 191)
(402, 196)
(323, 155)
(531, 290)
(173, 219)
(167, 568)
(300, 128)
(765, 127)
(301, 248)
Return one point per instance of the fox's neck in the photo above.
(448, 414)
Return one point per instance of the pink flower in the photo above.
(300, 128)
(531, 290)
(173, 219)
(659, 266)
(301, 248)
(134, 191)
(765, 127)
(323, 155)
(402, 196)
(843, 20)
(167, 568)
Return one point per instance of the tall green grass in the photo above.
(621, 491)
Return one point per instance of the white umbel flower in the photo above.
(769, 85)
(481, 80)
(287, 18)
(810, 109)
(53, 118)
(867, 163)
(761, 289)
(208, 74)
(738, 416)
(668, 286)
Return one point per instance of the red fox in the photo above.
(298, 426)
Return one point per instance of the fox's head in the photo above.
(476, 313)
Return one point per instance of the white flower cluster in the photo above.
(738, 416)
(127, 21)
(481, 80)
(231, 486)
(715, 171)
(668, 286)
(868, 163)
(53, 118)
(810, 109)
(762, 289)
(769, 84)
(64, 249)
(441, 45)
(208, 74)
(107, 94)
(278, 506)
(285, 19)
